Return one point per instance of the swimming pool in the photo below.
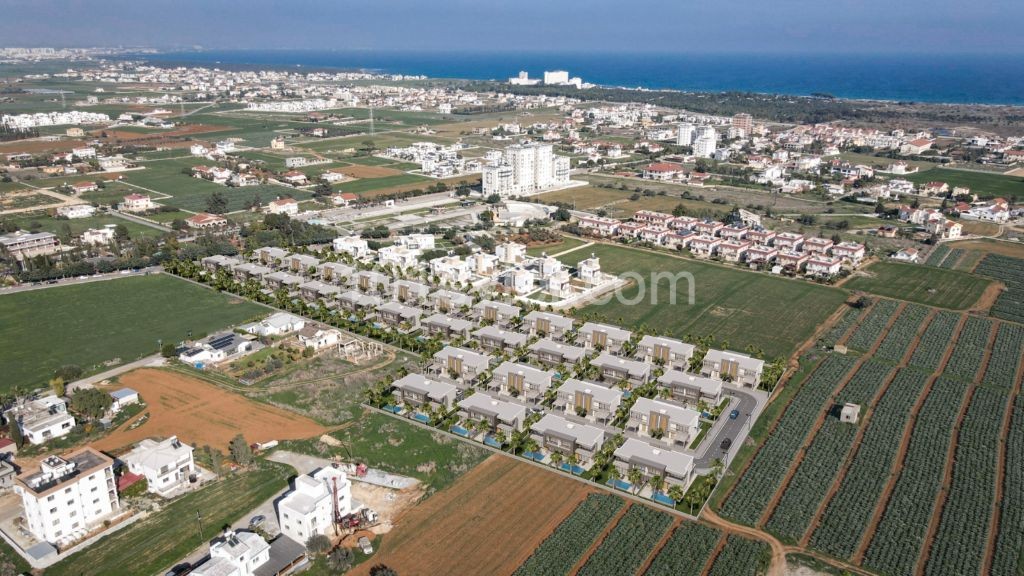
(393, 409)
(490, 441)
(421, 418)
(536, 456)
(572, 468)
(620, 485)
(460, 430)
(661, 498)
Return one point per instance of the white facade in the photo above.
(68, 496)
(309, 509)
(237, 554)
(76, 211)
(42, 419)
(525, 169)
(166, 464)
(353, 245)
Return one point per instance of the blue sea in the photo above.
(964, 78)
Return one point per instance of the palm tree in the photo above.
(657, 483)
(676, 492)
(614, 475)
(635, 477)
(556, 459)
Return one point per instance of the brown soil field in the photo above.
(487, 522)
(360, 171)
(38, 146)
(201, 413)
(1004, 248)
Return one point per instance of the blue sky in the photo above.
(834, 26)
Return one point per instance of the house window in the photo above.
(56, 522)
(49, 498)
(96, 501)
(53, 510)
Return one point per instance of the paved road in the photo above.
(81, 280)
(142, 221)
(154, 360)
(749, 403)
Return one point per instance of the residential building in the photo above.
(235, 554)
(618, 368)
(122, 398)
(22, 245)
(399, 316)
(334, 272)
(495, 312)
(219, 262)
(671, 466)
(353, 245)
(733, 366)
(589, 400)
(355, 301)
(68, 496)
(270, 256)
(167, 464)
(449, 301)
(552, 353)
(301, 264)
(318, 337)
(556, 434)
(496, 339)
(205, 220)
(401, 257)
(450, 269)
(41, 419)
(460, 364)
(446, 327)
(664, 421)
(603, 337)
(849, 251)
(371, 282)
(548, 324)
(409, 291)
(521, 380)
(499, 414)
(691, 388)
(418, 390)
(314, 503)
(99, 236)
(525, 169)
(510, 253)
(76, 211)
(673, 354)
(136, 203)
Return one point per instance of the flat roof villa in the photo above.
(497, 312)
(673, 467)
(399, 316)
(445, 326)
(42, 419)
(449, 301)
(673, 354)
(664, 421)
(547, 324)
(554, 353)
(556, 434)
(603, 336)
(616, 368)
(691, 388)
(354, 301)
(494, 338)
(418, 390)
(500, 414)
(521, 380)
(589, 400)
(733, 366)
(460, 364)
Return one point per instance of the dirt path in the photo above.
(853, 327)
(901, 454)
(716, 552)
(657, 547)
(954, 440)
(988, 297)
(600, 539)
(993, 527)
(820, 420)
(778, 562)
(837, 482)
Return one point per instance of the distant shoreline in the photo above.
(966, 80)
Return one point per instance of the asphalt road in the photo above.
(749, 406)
(80, 280)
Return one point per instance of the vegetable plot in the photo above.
(740, 557)
(686, 552)
(626, 547)
(872, 326)
(560, 551)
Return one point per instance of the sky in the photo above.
(689, 26)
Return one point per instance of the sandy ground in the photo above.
(496, 515)
(200, 413)
(360, 171)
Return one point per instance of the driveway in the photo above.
(749, 403)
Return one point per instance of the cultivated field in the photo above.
(740, 307)
(102, 324)
(911, 488)
(201, 413)
(922, 284)
(494, 516)
(984, 184)
(1010, 271)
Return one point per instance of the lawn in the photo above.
(584, 197)
(922, 284)
(735, 306)
(985, 185)
(100, 324)
(567, 243)
(371, 184)
(159, 541)
(111, 194)
(41, 222)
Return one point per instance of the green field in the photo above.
(42, 222)
(735, 306)
(111, 194)
(371, 184)
(983, 184)
(567, 243)
(113, 320)
(164, 538)
(922, 284)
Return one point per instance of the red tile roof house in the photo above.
(817, 245)
(795, 260)
(733, 250)
(204, 220)
(761, 254)
(662, 171)
(81, 187)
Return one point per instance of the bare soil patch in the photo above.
(361, 171)
(488, 522)
(200, 413)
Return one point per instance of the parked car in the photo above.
(257, 521)
(726, 443)
(734, 414)
(180, 570)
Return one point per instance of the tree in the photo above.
(340, 559)
(562, 214)
(318, 544)
(493, 199)
(91, 402)
(382, 570)
(120, 232)
(322, 189)
(179, 224)
(167, 350)
(14, 431)
(217, 203)
(57, 385)
(241, 453)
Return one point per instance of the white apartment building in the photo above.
(237, 554)
(166, 464)
(42, 419)
(76, 211)
(525, 169)
(69, 495)
(353, 245)
(685, 134)
(310, 508)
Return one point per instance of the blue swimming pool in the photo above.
(421, 418)
(393, 409)
(534, 456)
(490, 441)
(620, 485)
(626, 393)
(572, 468)
(460, 430)
(661, 498)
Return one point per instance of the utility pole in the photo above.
(199, 519)
(371, 119)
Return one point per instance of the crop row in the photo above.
(824, 458)
(951, 260)
(686, 551)
(1010, 304)
(934, 341)
(560, 551)
(769, 465)
(846, 321)
(741, 557)
(873, 325)
(937, 255)
(626, 547)
(961, 540)
(897, 540)
(970, 347)
(1006, 352)
(850, 510)
(902, 333)
(1008, 560)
